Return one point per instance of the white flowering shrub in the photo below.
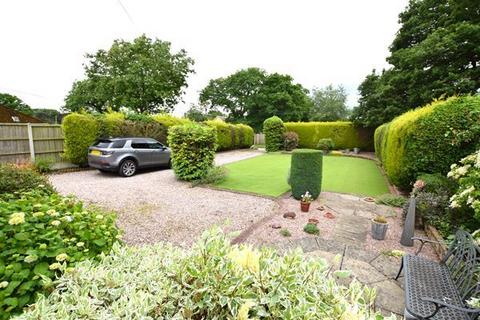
(213, 280)
(42, 234)
(467, 174)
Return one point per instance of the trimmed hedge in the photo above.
(273, 129)
(429, 139)
(232, 136)
(344, 134)
(80, 131)
(306, 172)
(193, 150)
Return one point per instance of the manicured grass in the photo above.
(267, 175)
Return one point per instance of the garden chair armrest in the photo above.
(423, 241)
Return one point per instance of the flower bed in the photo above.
(213, 280)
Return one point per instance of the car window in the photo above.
(155, 145)
(102, 143)
(118, 144)
(140, 145)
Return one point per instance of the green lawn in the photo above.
(267, 175)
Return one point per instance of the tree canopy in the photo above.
(143, 76)
(329, 103)
(252, 95)
(15, 103)
(200, 113)
(435, 53)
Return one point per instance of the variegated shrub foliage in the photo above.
(213, 280)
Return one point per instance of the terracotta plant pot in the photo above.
(304, 206)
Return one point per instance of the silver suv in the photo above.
(126, 155)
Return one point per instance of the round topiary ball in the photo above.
(306, 172)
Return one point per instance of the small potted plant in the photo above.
(379, 227)
(305, 201)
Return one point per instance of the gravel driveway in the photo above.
(153, 206)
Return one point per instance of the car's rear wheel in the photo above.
(127, 168)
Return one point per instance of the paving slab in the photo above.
(363, 271)
(351, 229)
(390, 296)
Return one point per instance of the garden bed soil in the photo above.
(351, 224)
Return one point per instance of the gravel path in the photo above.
(153, 206)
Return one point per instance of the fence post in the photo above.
(30, 142)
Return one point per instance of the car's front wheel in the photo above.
(127, 168)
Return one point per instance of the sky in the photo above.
(317, 42)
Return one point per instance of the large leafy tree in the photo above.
(143, 75)
(200, 113)
(15, 103)
(329, 103)
(252, 95)
(435, 53)
(47, 115)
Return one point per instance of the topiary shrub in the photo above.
(326, 145)
(306, 172)
(344, 134)
(429, 139)
(193, 150)
(17, 179)
(43, 234)
(226, 282)
(290, 140)
(273, 129)
(80, 131)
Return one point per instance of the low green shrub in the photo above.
(285, 233)
(14, 179)
(429, 139)
(436, 183)
(273, 129)
(344, 134)
(326, 144)
(213, 280)
(391, 200)
(41, 234)
(306, 172)
(311, 228)
(214, 175)
(43, 165)
(193, 150)
(290, 140)
(80, 131)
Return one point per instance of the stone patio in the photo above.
(347, 235)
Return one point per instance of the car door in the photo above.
(158, 153)
(142, 152)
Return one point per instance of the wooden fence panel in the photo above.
(16, 142)
(259, 138)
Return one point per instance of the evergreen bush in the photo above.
(193, 150)
(80, 131)
(429, 139)
(306, 172)
(273, 129)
